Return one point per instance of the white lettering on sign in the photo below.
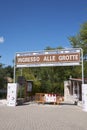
(49, 58)
(28, 59)
(68, 57)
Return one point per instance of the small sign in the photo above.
(29, 87)
(49, 98)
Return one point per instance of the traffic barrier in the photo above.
(48, 98)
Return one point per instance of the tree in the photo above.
(75, 41)
(80, 40)
(83, 37)
(8, 71)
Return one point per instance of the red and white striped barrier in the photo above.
(49, 98)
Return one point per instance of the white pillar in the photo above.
(84, 97)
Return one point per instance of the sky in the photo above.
(33, 25)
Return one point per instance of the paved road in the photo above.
(42, 117)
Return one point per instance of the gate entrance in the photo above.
(59, 57)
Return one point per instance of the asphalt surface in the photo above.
(32, 116)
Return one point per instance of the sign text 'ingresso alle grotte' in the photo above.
(48, 58)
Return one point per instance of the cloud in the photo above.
(2, 39)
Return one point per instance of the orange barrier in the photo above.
(39, 97)
(48, 98)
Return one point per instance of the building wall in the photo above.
(67, 91)
(72, 91)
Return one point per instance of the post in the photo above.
(14, 69)
(82, 66)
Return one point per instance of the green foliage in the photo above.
(3, 81)
(8, 71)
(4, 73)
(83, 37)
(75, 41)
(21, 91)
(80, 40)
(36, 86)
(50, 80)
(26, 72)
(51, 48)
(45, 79)
(83, 33)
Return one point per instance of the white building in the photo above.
(73, 90)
